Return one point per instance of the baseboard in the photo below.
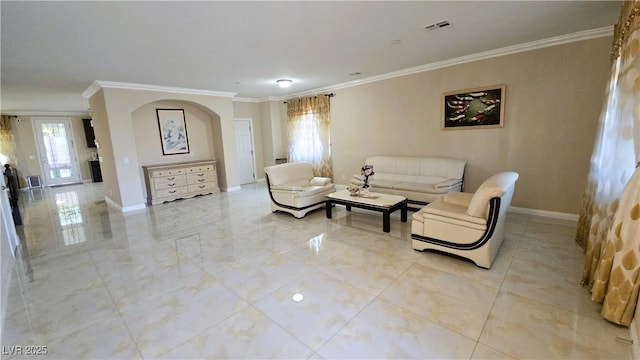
(544, 213)
(134, 208)
(233, 188)
(125, 209)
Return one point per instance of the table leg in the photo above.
(403, 212)
(348, 207)
(327, 206)
(386, 221)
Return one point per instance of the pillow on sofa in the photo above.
(320, 181)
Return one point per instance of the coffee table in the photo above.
(386, 204)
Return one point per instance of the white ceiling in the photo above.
(53, 51)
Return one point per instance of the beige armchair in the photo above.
(469, 225)
(294, 189)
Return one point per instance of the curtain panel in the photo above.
(5, 127)
(609, 222)
(7, 144)
(308, 133)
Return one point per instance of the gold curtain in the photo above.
(7, 144)
(308, 133)
(609, 223)
(5, 128)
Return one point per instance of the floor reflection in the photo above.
(70, 216)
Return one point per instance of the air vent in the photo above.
(437, 25)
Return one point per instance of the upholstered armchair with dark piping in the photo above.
(469, 225)
(294, 189)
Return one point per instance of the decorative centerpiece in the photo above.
(366, 172)
(363, 190)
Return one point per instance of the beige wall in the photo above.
(553, 99)
(147, 134)
(274, 120)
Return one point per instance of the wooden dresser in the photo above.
(181, 180)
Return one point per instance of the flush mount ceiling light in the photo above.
(284, 83)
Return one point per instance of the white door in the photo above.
(244, 144)
(56, 150)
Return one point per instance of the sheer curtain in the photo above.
(609, 223)
(308, 131)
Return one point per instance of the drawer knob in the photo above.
(201, 186)
(172, 184)
(201, 180)
(200, 174)
(172, 191)
(171, 178)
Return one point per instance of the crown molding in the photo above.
(533, 45)
(243, 99)
(47, 113)
(99, 84)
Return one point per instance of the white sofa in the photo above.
(294, 189)
(420, 179)
(469, 225)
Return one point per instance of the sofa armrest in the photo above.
(320, 181)
(458, 198)
(450, 183)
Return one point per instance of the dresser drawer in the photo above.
(200, 177)
(172, 192)
(167, 172)
(203, 187)
(169, 182)
(200, 168)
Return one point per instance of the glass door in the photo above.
(56, 150)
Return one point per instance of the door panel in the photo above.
(56, 150)
(244, 145)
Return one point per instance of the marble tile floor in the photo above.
(214, 277)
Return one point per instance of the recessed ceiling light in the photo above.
(284, 83)
(395, 42)
(355, 73)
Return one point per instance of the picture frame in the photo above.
(173, 131)
(481, 107)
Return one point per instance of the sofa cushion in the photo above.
(313, 190)
(385, 184)
(443, 168)
(451, 213)
(418, 187)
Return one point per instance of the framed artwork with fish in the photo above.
(475, 108)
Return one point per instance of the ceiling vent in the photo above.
(437, 25)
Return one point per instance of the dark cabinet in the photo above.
(96, 173)
(88, 133)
